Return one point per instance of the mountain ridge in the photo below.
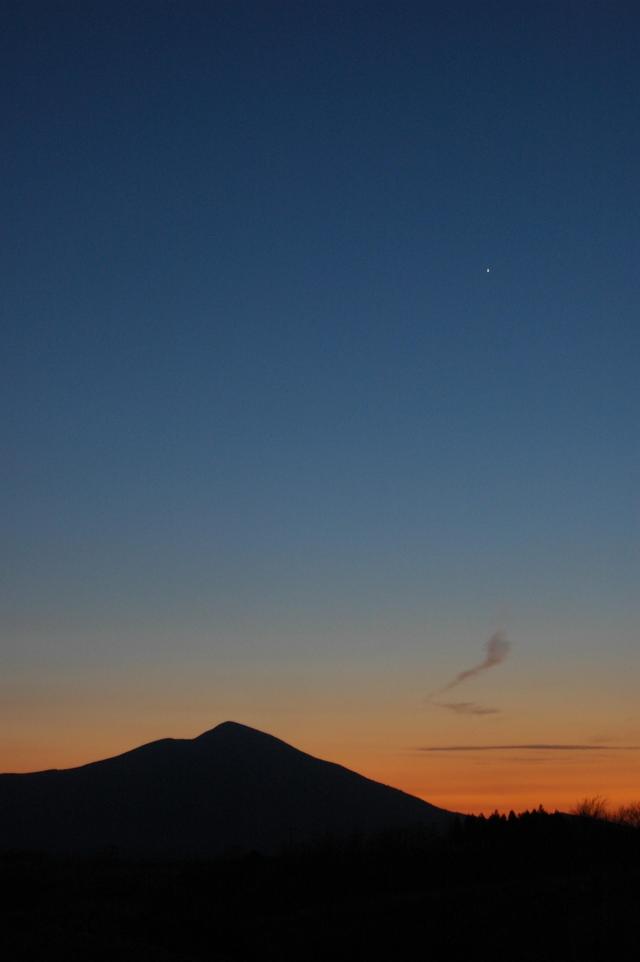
(232, 787)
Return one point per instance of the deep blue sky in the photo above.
(264, 404)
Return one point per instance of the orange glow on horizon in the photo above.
(464, 781)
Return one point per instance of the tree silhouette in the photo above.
(594, 807)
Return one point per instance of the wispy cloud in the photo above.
(533, 747)
(466, 708)
(497, 649)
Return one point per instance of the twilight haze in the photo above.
(320, 371)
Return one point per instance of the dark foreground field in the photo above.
(536, 887)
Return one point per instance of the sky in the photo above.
(319, 372)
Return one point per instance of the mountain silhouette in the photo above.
(231, 789)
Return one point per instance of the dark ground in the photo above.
(535, 887)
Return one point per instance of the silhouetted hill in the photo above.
(232, 789)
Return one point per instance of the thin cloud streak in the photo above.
(497, 650)
(534, 747)
(466, 708)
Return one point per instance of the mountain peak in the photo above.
(232, 787)
(229, 728)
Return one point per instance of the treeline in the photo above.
(478, 849)
(535, 842)
(598, 807)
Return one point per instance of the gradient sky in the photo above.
(278, 448)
